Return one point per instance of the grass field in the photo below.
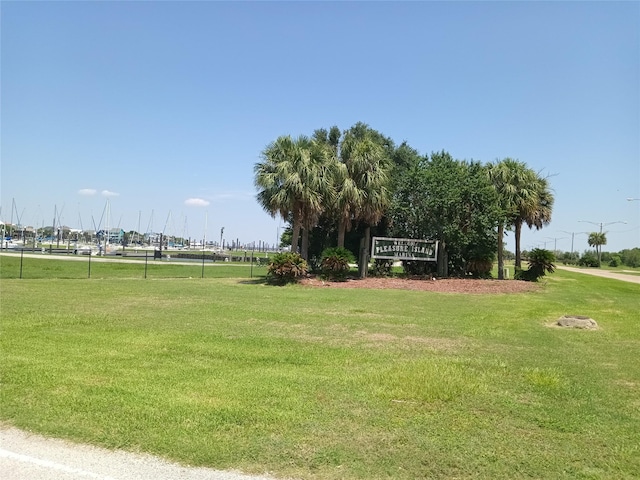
(83, 267)
(320, 383)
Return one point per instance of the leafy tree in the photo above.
(631, 257)
(615, 261)
(597, 239)
(588, 259)
(451, 201)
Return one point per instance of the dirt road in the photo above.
(603, 273)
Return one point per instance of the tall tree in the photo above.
(597, 239)
(290, 183)
(518, 195)
(537, 215)
(451, 201)
(362, 177)
(509, 178)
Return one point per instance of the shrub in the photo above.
(419, 268)
(631, 257)
(286, 267)
(615, 261)
(335, 263)
(540, 263)
(480, 267)
(381, 268)
(588, 259)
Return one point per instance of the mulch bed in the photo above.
(447, 285)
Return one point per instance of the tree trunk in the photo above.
(443, 269)
(305, 244)
(500, 252)
(342, 228)
(363, 265)
(518, 226)
(295, 236)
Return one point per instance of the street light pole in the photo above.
(555, 242)
(573, 234)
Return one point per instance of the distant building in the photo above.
(116, 235)
(113, 235)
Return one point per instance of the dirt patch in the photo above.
(448, 285)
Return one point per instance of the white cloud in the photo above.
(107, 193)
(196, 202)
(87, 191)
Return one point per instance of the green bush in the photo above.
(418, 268)
(286, 267)
(335, 263)
(588, 259)
(381, 268)
(615, 261)
(540, 263)
(631, 257)
(480, 267)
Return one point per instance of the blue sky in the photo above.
(163, 108)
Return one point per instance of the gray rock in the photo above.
(577, 321)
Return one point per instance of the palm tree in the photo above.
(290, 180)
(537, 214)
(513, 181)
(361, 179)
(525, 197)
(597, 239)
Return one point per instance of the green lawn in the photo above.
(84, 267)
(329, 383)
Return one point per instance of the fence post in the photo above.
(90, 252)
(21, 257)
(202, 274)
(146, 259)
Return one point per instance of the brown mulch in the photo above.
(447, 285)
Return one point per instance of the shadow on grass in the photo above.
(253, 281)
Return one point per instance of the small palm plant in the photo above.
(335, 263)
(286, 267)
(540, 263)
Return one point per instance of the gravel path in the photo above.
(603, 273)
(24, 456)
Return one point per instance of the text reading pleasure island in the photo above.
(404, 249)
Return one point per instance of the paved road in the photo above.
(31, 457)
(603, 273)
